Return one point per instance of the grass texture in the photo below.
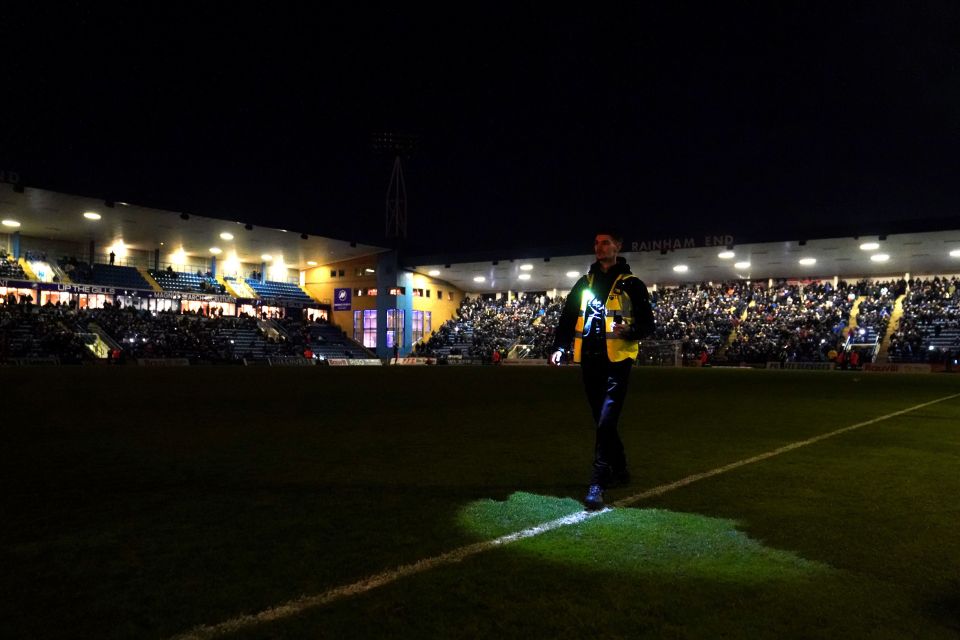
(141, 503)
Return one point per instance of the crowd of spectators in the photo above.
(929, 330)
(700, 316)
(9, 268)
(723, 323)
(790, 323)
(490, 328)
(29, 332)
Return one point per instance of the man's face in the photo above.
(605, 248)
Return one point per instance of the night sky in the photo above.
(532, 124)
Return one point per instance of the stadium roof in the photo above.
(57, 216)
(920, 253)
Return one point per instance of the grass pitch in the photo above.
(146, 502)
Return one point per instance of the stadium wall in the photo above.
(322, 281)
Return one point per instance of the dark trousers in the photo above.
(606, 386)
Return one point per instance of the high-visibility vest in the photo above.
(617, 304)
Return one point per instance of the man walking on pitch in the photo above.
(606, 314)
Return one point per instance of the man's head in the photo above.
(606, 246)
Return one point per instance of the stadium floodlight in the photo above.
(869, 246)
(726, 255)
(880, 257)
(433, 272)
(479, 279)
(526, 267)
(573, 274)
(955, 253)
(216, 250)
(524, 276)
(226, 236)
(808, 261)
(10, 223)
(266, 257)
(681, 268)
(91, 215)
(742, 265)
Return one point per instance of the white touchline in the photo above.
(298, 606)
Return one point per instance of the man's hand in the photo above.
(621, 329)
(555, 358)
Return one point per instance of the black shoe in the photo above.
(594, 499)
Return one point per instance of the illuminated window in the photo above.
(417, 329)
(427, 323)
(394, 328)
(371, 292)
(365, 328)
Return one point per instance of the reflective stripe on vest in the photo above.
(617, 304)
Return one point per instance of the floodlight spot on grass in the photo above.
(639, 541)
(495, 518)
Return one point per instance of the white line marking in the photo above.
(304, 603)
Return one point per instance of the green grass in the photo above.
(143, 502)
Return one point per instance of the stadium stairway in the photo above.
(732, 337)
(240, 288)
(149, 278)
(892, 327)
(64, 278)
(227, 285)
(26, 269)
(854, 312)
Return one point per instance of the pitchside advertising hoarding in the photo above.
(341, 299)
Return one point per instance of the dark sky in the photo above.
(533, 124)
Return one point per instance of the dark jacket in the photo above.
(643, 324)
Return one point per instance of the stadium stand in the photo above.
(104, 275)
(279, 291)
(487, 325)
(929, 330)
(323, 340)
(26, 331)
(170, 280)
(725, 323)
(9, 268)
